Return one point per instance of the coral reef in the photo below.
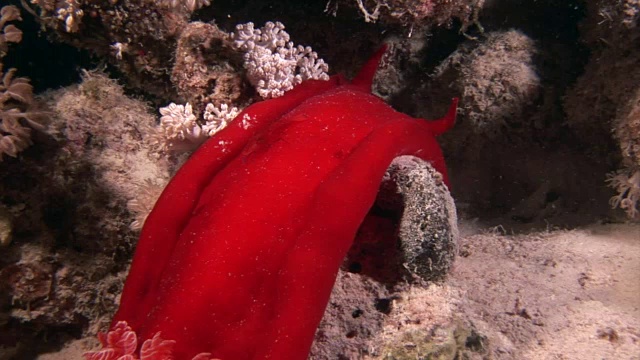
(446, 337)
(549, 116)
(355, 313)
(49, 290)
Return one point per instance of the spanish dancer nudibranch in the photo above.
(239, 255)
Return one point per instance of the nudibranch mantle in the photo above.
(239, 255)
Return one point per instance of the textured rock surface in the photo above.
(207, 69)
(428, 229)
(498, 82)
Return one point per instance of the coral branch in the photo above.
(274, 64)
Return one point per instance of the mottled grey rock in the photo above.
(428, 229)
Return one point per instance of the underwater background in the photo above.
(102, 102)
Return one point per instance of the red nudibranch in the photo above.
(239, 255)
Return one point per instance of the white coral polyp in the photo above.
(179, 127)
(272, 73)
(273, 36)
(218, 118)
(310, 66)
(274, 64)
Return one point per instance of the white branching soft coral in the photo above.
(218, 118)
(274, 64)
(627, 184)
(121, 344)
(179, 128)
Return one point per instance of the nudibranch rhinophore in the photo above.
(239, 255)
